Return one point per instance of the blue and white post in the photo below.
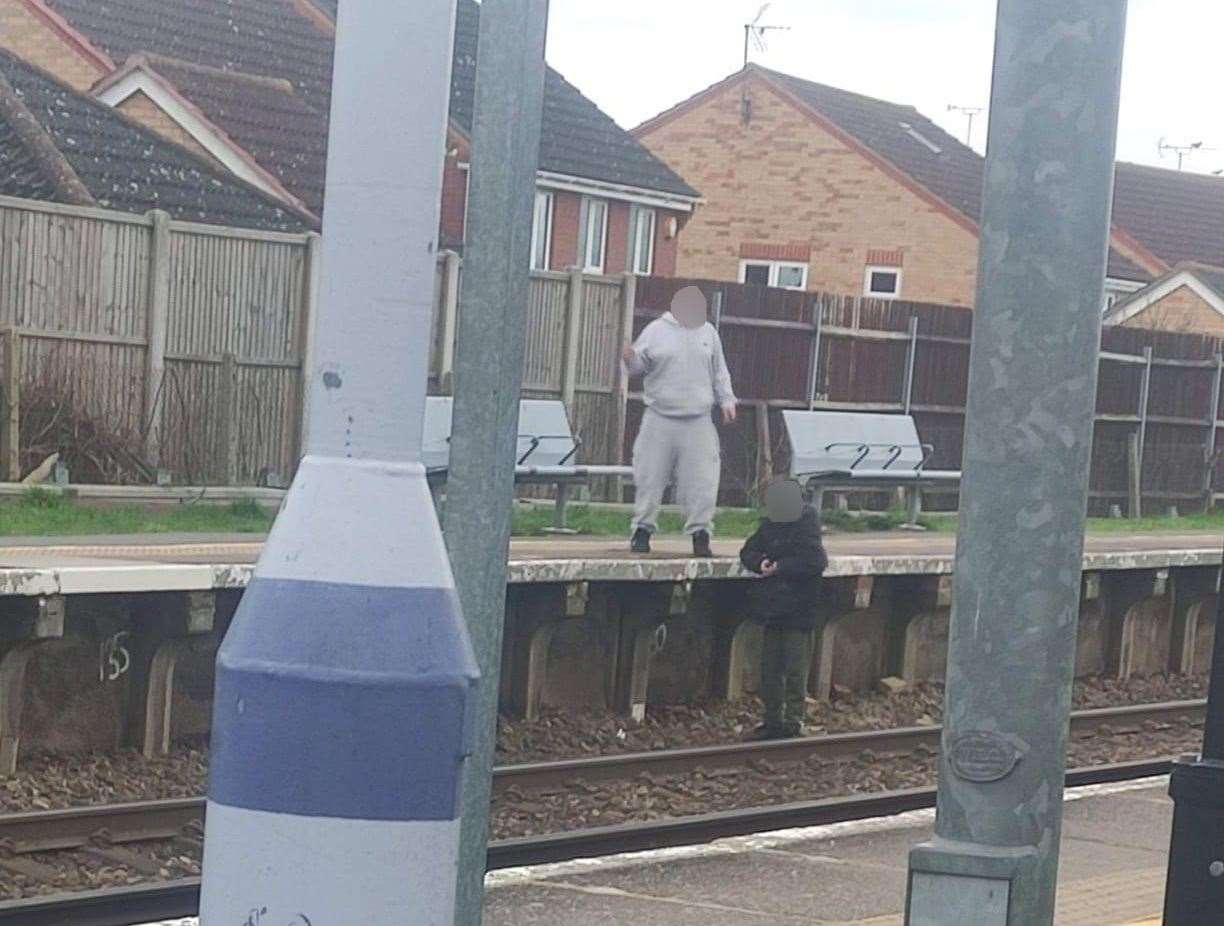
(345, 686)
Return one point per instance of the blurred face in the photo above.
(784, 501)
(689, 307)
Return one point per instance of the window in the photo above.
(882, 282)
(641, 240)
(593, 234)
(780, 273)
(541, 231)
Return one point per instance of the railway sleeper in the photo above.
(12, 861)
(102, 846)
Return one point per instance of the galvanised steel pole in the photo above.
(1028, 439)
(1194, 891)
(346, 684)
(489, 375)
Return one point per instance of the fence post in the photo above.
(310, 311)
(764, 450)
(620, 398)
(156, 332)
(1209, 451)
(1145, 390)
(1134, 477)
(10, 409)
(911, 354)
(814, 364)
(573, 328)
(229, 426)
(450, 320)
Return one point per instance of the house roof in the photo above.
(270, 38)
(577, 139)
(1178, 215)
(918, 147)
(66, 147)
(1204, 280)
(264, 116)
(929, 159)
(267, 38)
(902, 136)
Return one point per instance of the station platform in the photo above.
(1115, 844)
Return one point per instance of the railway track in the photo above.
(883, 743)
(146, 903)
(110, 829)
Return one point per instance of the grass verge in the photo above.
(40, 513)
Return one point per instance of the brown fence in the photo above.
(138, 343)
(1158, 390)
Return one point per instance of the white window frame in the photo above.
(585, 238)
(542, 196)
(880, 268)
(642, 252)
(775, 269)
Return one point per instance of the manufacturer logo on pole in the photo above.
(983, 756)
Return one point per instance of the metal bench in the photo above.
(853, 450)
(546, 454)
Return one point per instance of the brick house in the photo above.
(1188, 299)
(245, 84)
(812, 187)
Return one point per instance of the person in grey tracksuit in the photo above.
(686, 376)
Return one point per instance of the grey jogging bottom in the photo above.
(685, 450)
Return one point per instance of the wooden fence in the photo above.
(136, 343)
(1158, 400)
(576, 326)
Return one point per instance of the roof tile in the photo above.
(269, 38)
(124, 165)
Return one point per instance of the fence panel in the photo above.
(547, 302)
(76, 286)
(866, 345)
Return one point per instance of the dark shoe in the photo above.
(641, 541)
(701, 545)
(791, 731)
(766, 731)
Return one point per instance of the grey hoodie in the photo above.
(686, 372)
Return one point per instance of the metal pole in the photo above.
(911, 355)
(814, 367)
(1032, 385)
(1194, 890)
(346, 683)
(489, 374)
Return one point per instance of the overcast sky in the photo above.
(637, 57)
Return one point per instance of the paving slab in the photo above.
(1112, 871)
(774, 883)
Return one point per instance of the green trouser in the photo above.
(786, 659)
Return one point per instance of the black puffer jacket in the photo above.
(789, 598)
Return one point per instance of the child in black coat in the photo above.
(787, 552)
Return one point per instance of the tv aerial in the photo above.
(754, 32)
(1182, 151)
(970, 112)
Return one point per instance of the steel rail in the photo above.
(619, 766)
